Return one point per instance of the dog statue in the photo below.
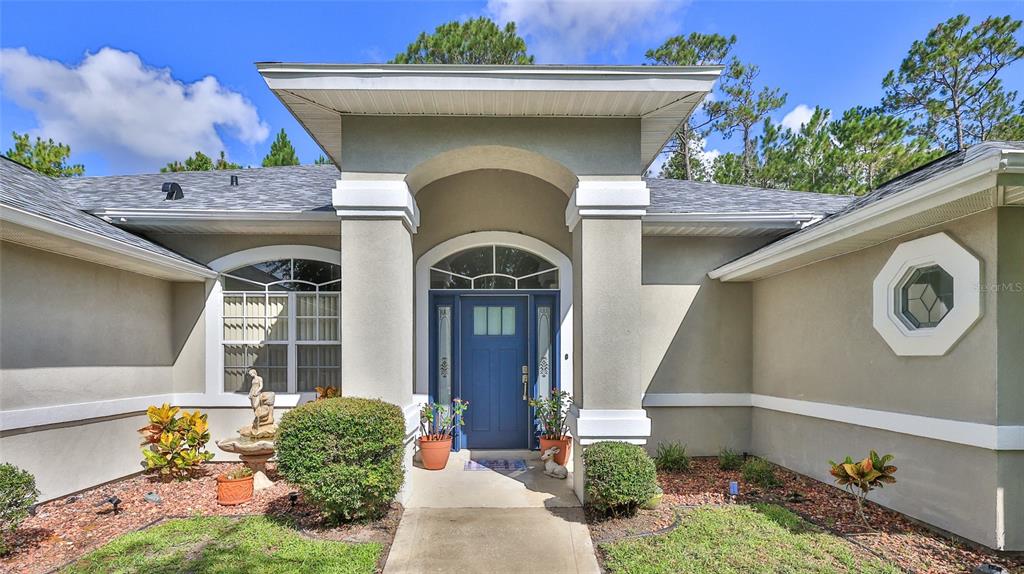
(552, 468)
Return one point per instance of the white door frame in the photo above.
(480, 239)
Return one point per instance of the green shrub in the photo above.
(17, 494)
(760, 472)
(620, 477)
(671, 457)
(729, 459)
(345, 455)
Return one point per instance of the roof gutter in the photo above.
(59, 229)
(779, 219)
(144, 216)
(955, 184)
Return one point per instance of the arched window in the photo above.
(283, 318)
(493, 267)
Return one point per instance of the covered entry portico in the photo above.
(545, 162)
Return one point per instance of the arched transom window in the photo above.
(282, 318)
(494, 267)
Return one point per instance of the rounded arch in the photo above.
(271, 252)
(491, 157)
(480, 239)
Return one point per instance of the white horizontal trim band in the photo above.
(57, 414)
(992, 437)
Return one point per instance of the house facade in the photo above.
(488, 233)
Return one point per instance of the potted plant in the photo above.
(552, 414)
(437, 423)
(235, 486)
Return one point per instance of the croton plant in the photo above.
(860, 478)
(173, 445)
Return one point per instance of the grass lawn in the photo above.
(223, 545)
(743, 539)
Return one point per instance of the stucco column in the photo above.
(604, 217)
(378, 218)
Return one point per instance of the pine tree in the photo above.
(281, 152)
(948, 85)
(322, 161)
(223, 163)
(475, 41)
(44, 156)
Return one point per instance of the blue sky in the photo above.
(123, 114)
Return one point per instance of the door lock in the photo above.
(526, 380)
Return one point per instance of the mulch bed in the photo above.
(67, 528)
(898, 539)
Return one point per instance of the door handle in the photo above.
(526, 381)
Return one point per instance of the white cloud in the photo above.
(797, 117)
(566, 31)
(136, 116)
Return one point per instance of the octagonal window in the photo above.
(926, 297)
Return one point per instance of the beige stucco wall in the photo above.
(606, 313)
(1009, 289)
(696, 338)
(696, 331)
(73, 331)
(948, 485)
(586, 146)
(814, 339)
(491, 200)
(704, 431)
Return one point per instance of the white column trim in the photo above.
(595, 425)
(376, 199)
(607, 198)
(981, 435)
(478, 239)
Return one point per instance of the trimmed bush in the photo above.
(729, 459)
(760, 472)
(17, 494)
(671, 457)
(620, 477)
(345, 455)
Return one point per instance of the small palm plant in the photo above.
(439, 421)
(860, 478)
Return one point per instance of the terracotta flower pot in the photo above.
(564, 445)
(232, 491)
(435, 452)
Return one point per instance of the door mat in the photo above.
(497, 464)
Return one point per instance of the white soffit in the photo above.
(320, 95)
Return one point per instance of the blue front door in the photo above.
(494, 367)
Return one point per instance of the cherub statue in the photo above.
(263, 408)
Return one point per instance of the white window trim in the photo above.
(937, 249)
(215, 311)
(481, 239)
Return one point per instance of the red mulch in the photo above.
(899, 539)
(67, 528)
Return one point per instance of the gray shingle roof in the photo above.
(927, 171)
(26, 190)
(286, 188)
(684, 196)
(308, 188)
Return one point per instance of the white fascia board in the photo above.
(951, 186)
(63, 230)
(284, 76)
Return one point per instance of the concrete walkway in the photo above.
(491, 522)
